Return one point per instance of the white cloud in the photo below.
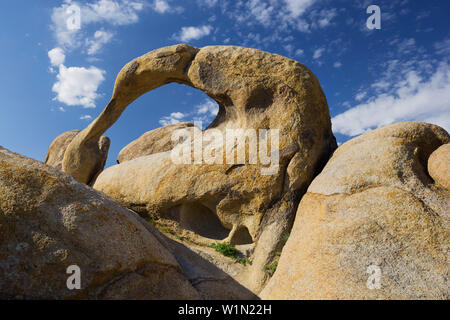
(101, 38)
(407, 46)
(114, 12)
(62, 109)
(289, 49)
(192, 33)
(78, 86)
(56, 56)
(322, 18)
(204, 112)
(174, 117)
(318, 53)
(360, 95)
(337, 64)
(303, 26)
(209, 107)
(163, 6)
(120, 12)
(278, 15)
(297, 7)
(413, 99)
(299, 52)
(177, 115)
(443, 47)
(261, 11)
(86, 117)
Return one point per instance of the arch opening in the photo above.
(241, 237)
(199, 219)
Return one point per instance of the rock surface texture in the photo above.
(49, 221)
(373, 224)
(439, 166)
(57, 149)
(233, 202)
(154, 141)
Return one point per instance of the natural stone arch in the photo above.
(140, 76)
(254, 89)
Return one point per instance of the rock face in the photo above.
(372, 214)
(439, 166)
(57, 149)
(154, 141)
(48, 222)
(244, 203)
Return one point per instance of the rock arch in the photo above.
(254, 89)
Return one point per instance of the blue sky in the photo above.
(54, 79)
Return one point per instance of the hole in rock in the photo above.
(198, 218)
(260, 98)
(241, 236)
(165, 105)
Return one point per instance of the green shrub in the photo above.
(243, 260)
(271, 268)
(226, 249)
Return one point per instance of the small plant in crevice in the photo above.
(231, 251)
(243, 260)
(150, 220)
(271, 268)
(181, 238)
(285, 237)
(226, 249)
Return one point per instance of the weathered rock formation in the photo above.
(439, 166)
(48, 222)
(372, 212)
(221, 202)
(154, 141)
(57, 149)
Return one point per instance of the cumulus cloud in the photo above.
(209, 107)
(163, 6)
(114, 12)
(56, 56)
(192, 33)
(337, 64)
(120, 12)
(415, 98)
(175, 117)
(100, 38)
(78, 86)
